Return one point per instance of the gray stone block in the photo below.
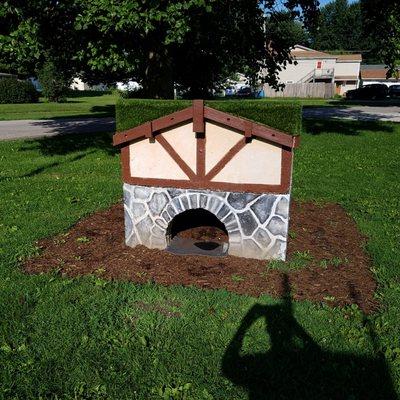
(132, 240)
(277, 227)
(157, 203)
(262, 238)
(161, 223)
(171, 211)
(143, 229)
(203, 201)
(128, 224)
(230, 222)
(221, 195)
(174, 192)
(193, 201)
(127, 197)
(138, 210)
(177, 205)
(223, 212)
(157, 231)
(166, 216)
(142, 192)
(235, 236)
(277, 251)
(251, 249)
(282, 208)
(185, 203)
(240, 200)
(247, 223)
(214, 204)
(262, 207)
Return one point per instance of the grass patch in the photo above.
(77, 105)
(88, 338)
(300, 259)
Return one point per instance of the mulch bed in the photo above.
(338, 273)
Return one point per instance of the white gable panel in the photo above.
(259, 162)
(151, 160)
(219, 140)
(183, 140)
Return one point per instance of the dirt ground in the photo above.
(326, 260)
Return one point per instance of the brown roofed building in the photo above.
(317, 66)
(376, 73)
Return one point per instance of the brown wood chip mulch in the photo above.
(337, 273)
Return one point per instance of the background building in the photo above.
(312, 66)
(376, 73)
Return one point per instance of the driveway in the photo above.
(362, 113)
(32, 129)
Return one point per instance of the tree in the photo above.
(195, 44)
(382, 21)
(54, 83)
(340, 27)
(34, 32)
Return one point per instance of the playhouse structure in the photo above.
(202, 158)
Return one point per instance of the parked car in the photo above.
(245, 91)
(230, 91)
(394, 91)
(369, 92)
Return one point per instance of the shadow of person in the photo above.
(296, 367)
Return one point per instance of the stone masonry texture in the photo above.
(257, 224)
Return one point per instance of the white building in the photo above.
(78, 84)
(317, 66)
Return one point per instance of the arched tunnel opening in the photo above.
(198, 232)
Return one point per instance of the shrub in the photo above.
(282, 115)
(54, 83)
(86, 93)
(13, 91)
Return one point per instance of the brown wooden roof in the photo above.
(379, 73)
(198, 113)
(322, 54)
(311, 54)
(349, 57)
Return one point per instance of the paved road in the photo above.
(33, 129)
(363, 113)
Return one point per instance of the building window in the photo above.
(319, 64)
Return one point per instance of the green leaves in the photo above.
(158, 44)
(382, 22)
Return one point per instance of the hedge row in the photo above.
(282, 115)
(13, 91)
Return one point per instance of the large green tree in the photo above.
(340, 27)
(382, 22)
(195, 44)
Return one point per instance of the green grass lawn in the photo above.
(78, 105)
(103, 105)
(309, 102)
(86, 338)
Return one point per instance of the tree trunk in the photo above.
(158, 82)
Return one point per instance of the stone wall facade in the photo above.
(257, 224)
